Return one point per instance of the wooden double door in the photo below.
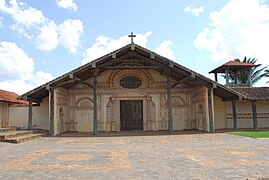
(131, 115)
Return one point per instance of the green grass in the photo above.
(253, 134)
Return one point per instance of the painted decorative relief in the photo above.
(108, 116)
(163, 112)
(71, 125)
(84, 114)
(179, 112)
(117, 75)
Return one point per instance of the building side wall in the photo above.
(219, 113)
(201, 108)
(244, 114)
(4, 114)
(1, 109)
(19, 116)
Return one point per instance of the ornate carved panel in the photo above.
(163, 112)
(84, 105)
(108, 116)
(117, 75)
(84, 114)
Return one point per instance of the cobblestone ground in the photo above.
(198, 156)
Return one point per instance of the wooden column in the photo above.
(169, 101)
(30, 115)
(254, 114)
(51, 130)
(227, 77)
(234, 114)
(216, 77)
(148, 123)
(114, 115)
(95, 120)
(210, 111)
(249, 78)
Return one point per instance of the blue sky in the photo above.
(41, 40)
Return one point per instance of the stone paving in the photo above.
(197, 156)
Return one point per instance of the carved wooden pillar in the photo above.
(51, 130)
(148, 123)
(234, 114)
(254, 114)
(169, 101)
(30, 115)
(210, 110)
(95, 120)
(114, 115)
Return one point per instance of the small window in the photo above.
(130, 82)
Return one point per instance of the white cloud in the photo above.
(17, 69)
(47, 35)
(41, 78)
(104, 45)
(18, 86)
(14, 62)
(165, 49)
(195, 11)
(48, 38)
(239, 29)
(21, 13)
(67, 4)
(70, 32)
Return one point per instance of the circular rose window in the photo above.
(130, 82)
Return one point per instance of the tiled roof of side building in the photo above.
(232, 64)
(11, 97)
(254, 93)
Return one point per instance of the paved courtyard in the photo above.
(197, 156)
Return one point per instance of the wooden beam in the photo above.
(95, 120)
(183, 80)
(30, 115)
(254, 114)
(136, 67)
(111, 61)
(27, 98)
(64, 83)
(234, 114)
(169, 102)
(210, 111)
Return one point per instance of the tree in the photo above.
(267, 75)
(256, 73)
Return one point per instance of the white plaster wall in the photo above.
(41, 114)
(4, 114)
(1, 106)
(19, 116)
(246, 108)
(219, 113)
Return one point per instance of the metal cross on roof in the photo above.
(132, 37)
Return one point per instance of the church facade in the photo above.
(131, 89)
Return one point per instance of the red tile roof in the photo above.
(232, 65)
(11, 97)
(254, 93)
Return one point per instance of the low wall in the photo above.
(18, 116)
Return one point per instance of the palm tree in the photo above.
(256, 73)
(267, 75)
